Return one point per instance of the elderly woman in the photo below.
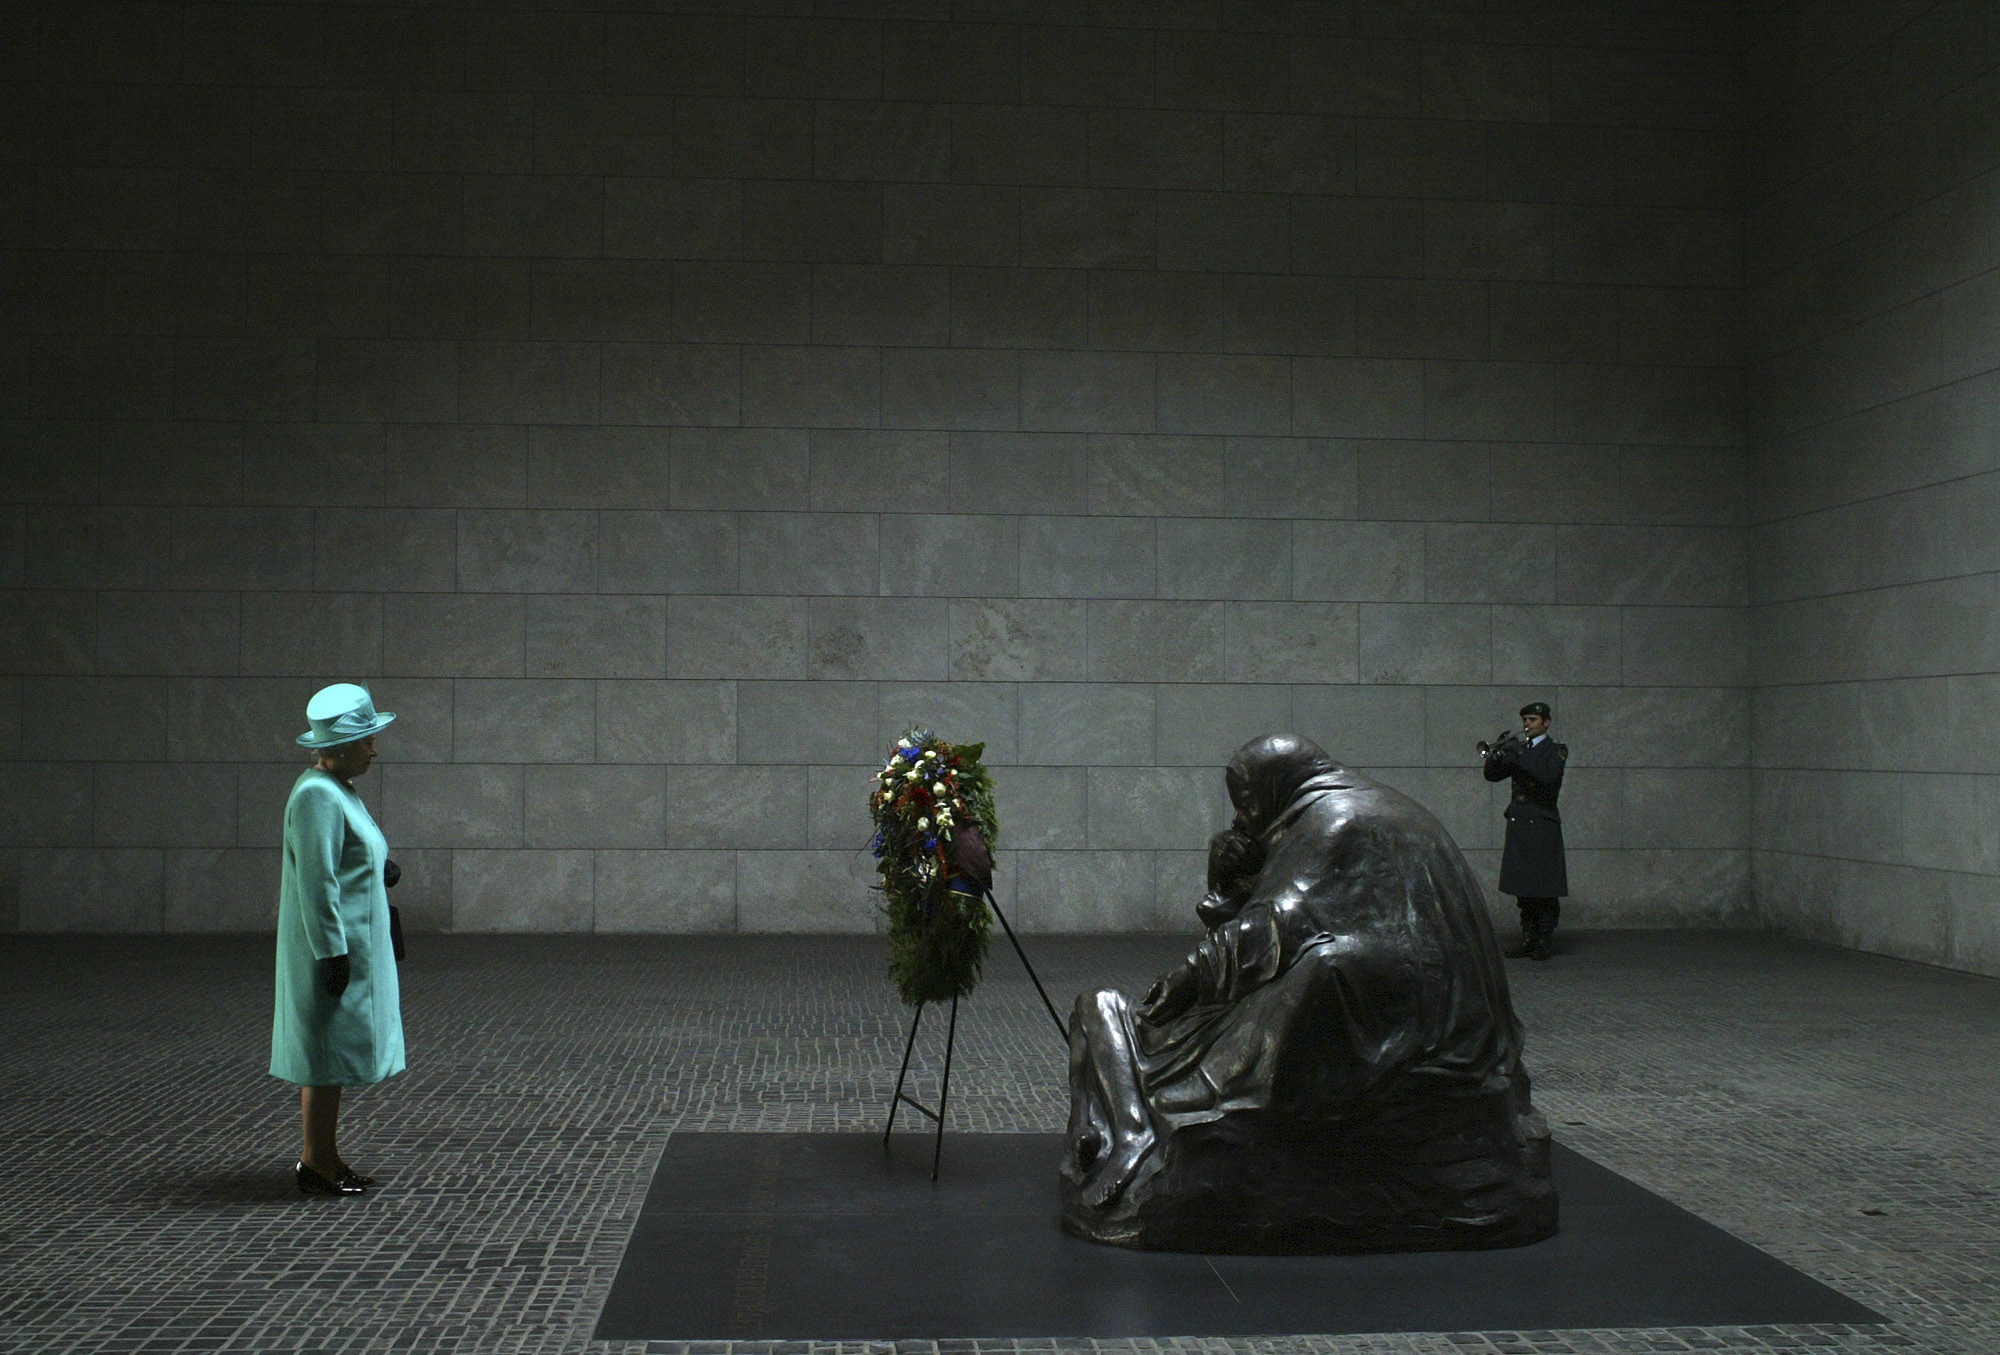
(1337, 1065)
(338, 1020)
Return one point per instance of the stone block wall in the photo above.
(1874, 305)
(660, 411)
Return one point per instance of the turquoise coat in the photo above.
(331, 902)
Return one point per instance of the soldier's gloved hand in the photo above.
(391, 872)
(333, 975)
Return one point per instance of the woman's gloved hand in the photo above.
(333, 975)
(391, 872)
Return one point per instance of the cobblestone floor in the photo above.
(1838, 1110)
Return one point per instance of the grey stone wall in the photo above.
(662, 410)
(1874, 302)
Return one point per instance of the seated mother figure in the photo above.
(1336, 1067)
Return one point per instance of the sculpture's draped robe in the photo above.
(1335, 1068)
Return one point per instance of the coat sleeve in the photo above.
(1499, 764)
(315, 828)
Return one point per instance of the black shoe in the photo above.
(349, 1176)
(312, 1183)
(1522, 951)
(1543, 949)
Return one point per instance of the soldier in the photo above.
(1532, 868)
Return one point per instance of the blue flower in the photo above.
(930, 844)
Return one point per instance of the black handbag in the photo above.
(391, 872)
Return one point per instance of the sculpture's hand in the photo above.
(1216, 909)
(1171, 994)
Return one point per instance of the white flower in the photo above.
(923, 823)
(937, 787)
(910, 775)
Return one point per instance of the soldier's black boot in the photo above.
(1544, 944)
(1526, 946)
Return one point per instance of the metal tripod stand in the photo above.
(950, 1038)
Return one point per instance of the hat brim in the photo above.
(382, 718)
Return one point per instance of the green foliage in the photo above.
(938, 935)
(936, 957)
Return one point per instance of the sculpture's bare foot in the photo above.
(1108, 1182)
(1089, 1146)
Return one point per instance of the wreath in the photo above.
(932, 804)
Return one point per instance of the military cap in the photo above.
(1540, 708)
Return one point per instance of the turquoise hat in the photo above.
(342, 713)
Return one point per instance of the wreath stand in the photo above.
(950, 1038)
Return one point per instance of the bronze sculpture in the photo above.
(1336, 1067)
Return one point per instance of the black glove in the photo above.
(391, 872)
(333, 975)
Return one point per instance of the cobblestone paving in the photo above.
(1837, 1110)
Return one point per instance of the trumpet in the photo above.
(1500, 740)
